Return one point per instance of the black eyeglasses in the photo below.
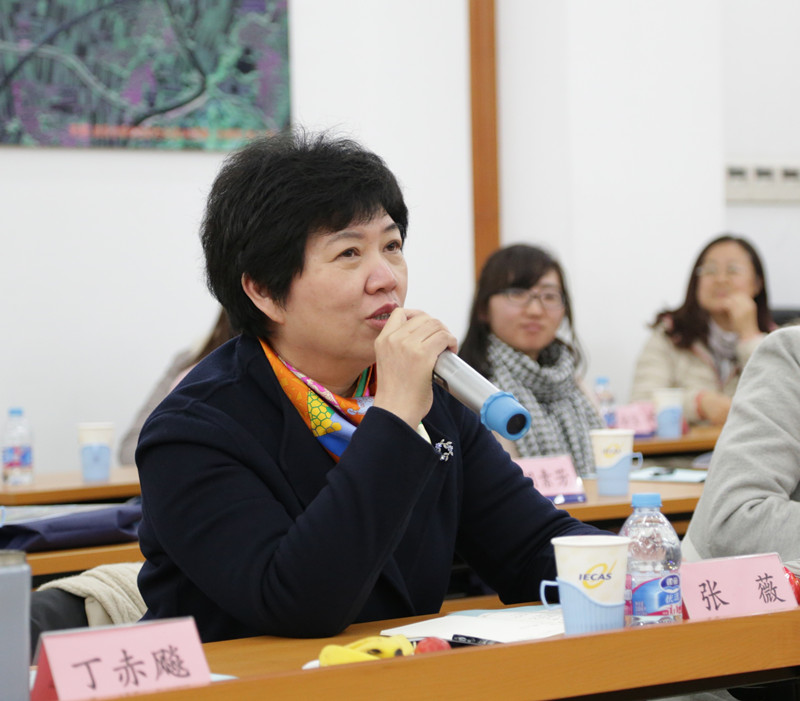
(551, 300)
(732, 270)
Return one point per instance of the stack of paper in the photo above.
(488, 625)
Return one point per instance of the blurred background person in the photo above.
(179, 367)
(749, 504)
(520, 305)
(703, 345)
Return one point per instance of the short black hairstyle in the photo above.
(273, 194)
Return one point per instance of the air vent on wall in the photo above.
(762, 183)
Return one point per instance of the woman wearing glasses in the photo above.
(520, 305)
(703, 345)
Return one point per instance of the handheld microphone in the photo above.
(499, 411)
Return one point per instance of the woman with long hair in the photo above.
(703, 345)
(520, 306)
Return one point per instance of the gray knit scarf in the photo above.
(722, 345)
(561, 414)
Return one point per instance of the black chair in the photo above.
(786, 316)
(788, 690)
(55, 609)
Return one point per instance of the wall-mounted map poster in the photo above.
(163, 74)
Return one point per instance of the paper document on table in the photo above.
(668, 474)
(501, 625)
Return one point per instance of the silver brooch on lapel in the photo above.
(444, 449)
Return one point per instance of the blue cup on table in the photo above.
(612, 449)
(668, 405)
(582, 614)
(612, 480)
(95, 450)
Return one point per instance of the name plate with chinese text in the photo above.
(554, 476)
(639, 416)
(735, 586)
(98, 663)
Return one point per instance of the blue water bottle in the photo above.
(653, 583)
(17, 449)
(605, 401)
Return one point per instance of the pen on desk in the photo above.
(470, 640)
(661, 471)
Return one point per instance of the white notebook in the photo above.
(668, 474)
(488, 625)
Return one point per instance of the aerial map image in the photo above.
(156, 74)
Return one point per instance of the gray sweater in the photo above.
(751, 499)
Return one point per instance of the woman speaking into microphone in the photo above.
(308, 474)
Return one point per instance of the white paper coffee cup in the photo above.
(95, 440)
(610, 444)
(595, 564)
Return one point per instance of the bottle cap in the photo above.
(12, 557)
(15, 411)
(646, 499)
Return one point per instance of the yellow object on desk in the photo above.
(374, 647)
(745, 651)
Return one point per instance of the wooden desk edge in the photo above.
(69, 487)
(79, 559)
(698, 440)
(589, 513)
(69, 495)
(766, 646)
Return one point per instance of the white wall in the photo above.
(101, 283)
(611, 155)
(400, 85)
(761, 89)
(616, 120)
(101, 276)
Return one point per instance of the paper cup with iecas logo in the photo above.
(610, 444)
(591, 581)
(595, 564)
(612, 449)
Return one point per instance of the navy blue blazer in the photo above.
(249, 526)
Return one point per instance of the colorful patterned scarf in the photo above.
(331, 418)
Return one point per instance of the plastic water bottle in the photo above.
(605, 400)
(15, 613)
(17, 451)
(653, 583)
